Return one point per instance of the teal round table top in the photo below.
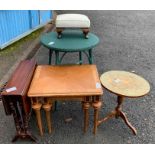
(71, 41)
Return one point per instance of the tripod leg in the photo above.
(123, 116)
(109, 116)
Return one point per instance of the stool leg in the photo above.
(36, 107)
(47, 107)
(86, 115)
(85, 32)
(59, 31)
(96, 107)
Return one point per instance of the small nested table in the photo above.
(123, 84)
(72, 41)
(74, 82)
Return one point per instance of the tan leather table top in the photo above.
(75, 80)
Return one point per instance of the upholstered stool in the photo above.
(80, 21)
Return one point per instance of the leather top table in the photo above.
(74, 82)
(72, 41)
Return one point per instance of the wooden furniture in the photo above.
(72, 41)
(73, 21)
(14, 98)
(74, 82)
(123, 84)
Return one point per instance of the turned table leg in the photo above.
(16, 120)
(85, 107)
(96, 106)
(21, 120)
(47, 107)
(27, 132)
(36, 107)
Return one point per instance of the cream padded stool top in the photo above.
(72, 21)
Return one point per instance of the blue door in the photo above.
(45, 16)
(34, 18)
(15, 24)
(12, 24)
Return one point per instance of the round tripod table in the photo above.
(72, 41)
(123, 84)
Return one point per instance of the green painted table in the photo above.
(72, 41)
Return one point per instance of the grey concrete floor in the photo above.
(127, 42)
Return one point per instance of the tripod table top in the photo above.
(125, 84)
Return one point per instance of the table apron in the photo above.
(93, 98)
